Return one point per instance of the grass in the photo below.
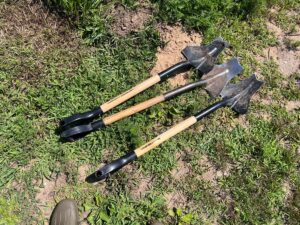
(66, 69)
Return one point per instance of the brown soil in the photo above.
(126, 21)
(142, 187)
(45, 194)
(287, 190)
(292, 105)
(181, 170)
(265, 101)
(287, 59)
(210, 172)
(242, 121)
(83, 172)
(265, 116)
(176, 200)
(176, 40)
(29, 166)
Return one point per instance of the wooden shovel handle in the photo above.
(165, 136)
(130, 93)
(132, 110)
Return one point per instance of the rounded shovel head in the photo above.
(220, 76)
(203, 57)
(238, 95)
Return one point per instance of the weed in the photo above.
(291, 45)
(113, 210)
(8, 210)
(180, 217)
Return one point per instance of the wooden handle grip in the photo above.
(165, 136)
(130, 93)
(132, 110)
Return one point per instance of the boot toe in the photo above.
(65, 213)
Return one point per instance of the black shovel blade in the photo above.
(237, 96)
(220, 76)
(203, 57)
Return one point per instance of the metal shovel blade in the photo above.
(237, 96)
(220, 76)
(204, 57)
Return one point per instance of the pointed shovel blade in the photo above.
(238, 95)
(220, 76)
(204, 57)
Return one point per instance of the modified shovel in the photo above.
(202, 58)
(236, 96)
(214, 82)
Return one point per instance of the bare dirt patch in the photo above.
(141, 188)
(287, 59)
(45, 194)
(276, 30)
(264, 116)
(126, 21)
(210, 172)
(292, 105)
(29, 165)
(83, 172)
(176, 200)
(265, 101)
(242, 121)
(182, 168)
(287, 188)
(176, 40)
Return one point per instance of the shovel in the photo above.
(202, 58)
(214, 82)
(236, 96)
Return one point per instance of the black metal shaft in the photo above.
(178, 91)
(210, 109)
(175, 69)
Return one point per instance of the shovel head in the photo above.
(220, 76)
(237, 96)
(204, 57)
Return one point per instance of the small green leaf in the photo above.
(178, 212)
(187, 218)
(87, 206)
(103, 216)
(171, 212)
(98, 200)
